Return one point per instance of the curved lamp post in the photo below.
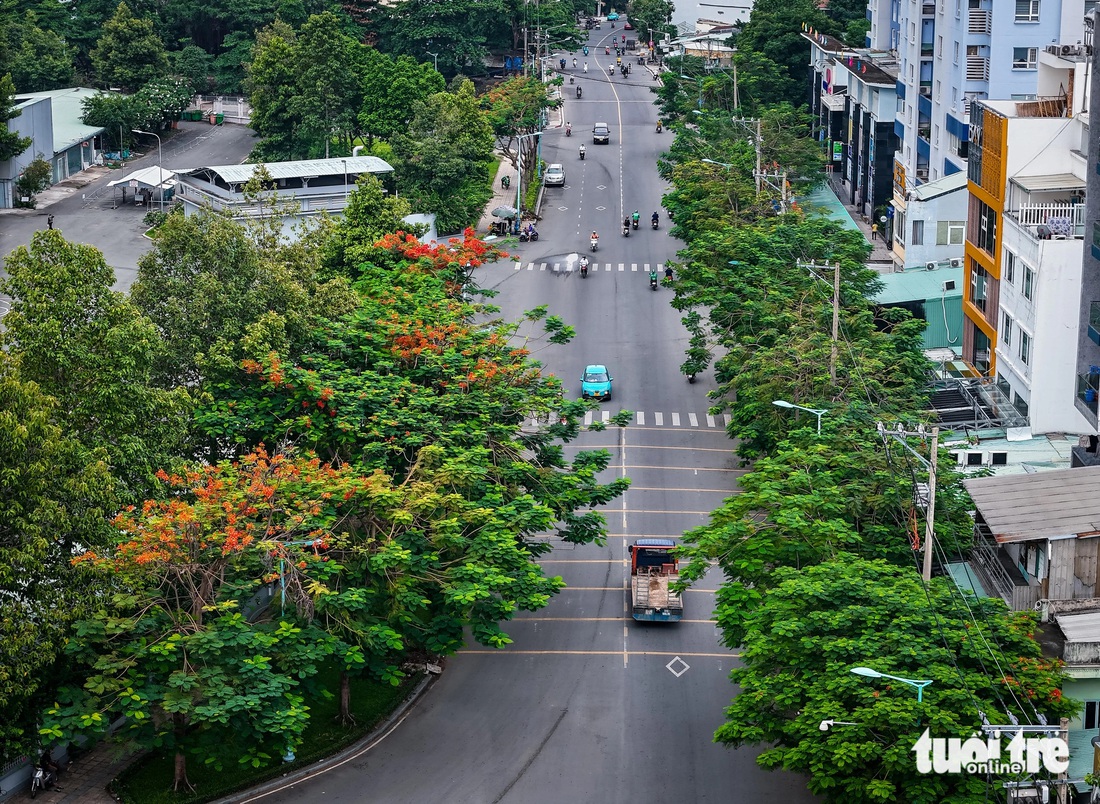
(782, 403)
(920, 684)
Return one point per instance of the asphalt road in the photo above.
(586, 705)
(87, 211)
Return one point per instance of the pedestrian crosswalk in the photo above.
(569, 266)
(657, 418)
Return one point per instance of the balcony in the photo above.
(999, 573)
(927, 50)
(1051, 221)
(1088, 385)
(924, 131)
(928, 10)
(977, 68)
(1094, 334)
(980, 22)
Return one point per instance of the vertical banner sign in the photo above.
(838, 150)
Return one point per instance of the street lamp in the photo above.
(825, 725)
(720, 164)
(160, 159)
(435, 60)
(782, 403)
(867, 672)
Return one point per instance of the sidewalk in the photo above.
(880, 249)
(85, 780)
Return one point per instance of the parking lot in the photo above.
(87, 211)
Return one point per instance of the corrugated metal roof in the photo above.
(152, 176)
(1056, 181)
(919, 285)
(942, 186)
(1080, 627)
(68, 128)
(1018, 508)
(305, 168)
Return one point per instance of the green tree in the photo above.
(117, 114)
(391, 87)
(55, 501)
(178, 650)
(774, 30)
(34, 179)
(272, 88)
(160, 102)
(650, 14)
(11, 144)
(815, 624)
(444, 156)
(40, 59)
(195, 65)
(459, 32)
(129, 52)
(329, 95)
(371, 213)
(514, 109)
(92, 350)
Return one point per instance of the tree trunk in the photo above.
(345, 699)
(180, 781)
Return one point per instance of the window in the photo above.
(1092, 715)
(1029, 283)
(1020, 404)
(918, 233)
(1025, 347)
(1027, 10)
(939, 47)
(986, 234)
(1004, 386)
(1006, 329)
(935, 140)
(1025, 58)
(978, 282)
(1010, 267)
(956, 54)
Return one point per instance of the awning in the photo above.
(155, 176)
(834, 103)
(1056, 181)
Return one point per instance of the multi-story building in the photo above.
(951, 52)
(1025, 229)
(852, 99)
(1087, 386)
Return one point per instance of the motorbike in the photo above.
(634, 223)
(691, 378)
(561, 63)
(569, 131)
(578, 92)
(658, 128)
(653, 222)
(582, 153)
(595, 244)
(572, 80)
(652, 280)
(528, 235)
(668, 273)
(584, 266)
(586, 50)
(607, 51)
(626, 230)
(611, 70)
(43, 779)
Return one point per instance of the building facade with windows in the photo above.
(852, 100)
(952, 52)
(1024, 237)
(1087, 385)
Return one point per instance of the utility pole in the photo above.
(900, 434)
(759, 155)
(812, 267)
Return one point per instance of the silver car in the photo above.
(555, 175)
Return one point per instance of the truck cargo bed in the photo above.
(651, 597)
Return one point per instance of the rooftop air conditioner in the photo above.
(1068, 50)
(930, 266)
(1053, 49)
(956, 262)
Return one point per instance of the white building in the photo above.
(1027, 172)
(933, 217)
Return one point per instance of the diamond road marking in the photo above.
(601, 209)
(562, 209)
(659, 419)
(601, 187)
(675, 419)
(677, 669)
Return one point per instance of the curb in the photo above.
(321, 766)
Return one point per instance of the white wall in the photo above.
(947, 207)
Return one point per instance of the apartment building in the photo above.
(950, 53)
(1087, 380)
(1024, 238)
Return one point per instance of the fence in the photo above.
(235, 108)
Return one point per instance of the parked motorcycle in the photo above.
(43, 779)
(528, 234)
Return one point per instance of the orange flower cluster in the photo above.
(469, 250)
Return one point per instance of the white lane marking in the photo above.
(587, 418)
(557, 267)
(726, 419)
(622, 267)
(659, 419)
(606, 416)
(530, 266)
(675, 419)
(641, 419)
(542, 267)
(693, 419)
(710, 421)
(519, 265)
(633, 266)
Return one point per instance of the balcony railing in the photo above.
(924, 132)
(986, 557)
(308, 201)
(980, 22)
(977, 68)
(928, 10)
(1087, 390)
(1062, 221)
(927, 48)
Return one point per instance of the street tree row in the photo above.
(819, 549)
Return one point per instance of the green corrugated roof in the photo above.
(918, 285)
(68, 129)
(824, 200)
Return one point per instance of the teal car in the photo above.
(612, 16)
(596, 383)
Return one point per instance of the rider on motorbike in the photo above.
(568, 129)
(635, 218)
(586, 67)
(656, 218)
(582, 152)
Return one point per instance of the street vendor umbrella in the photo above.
(505, 212)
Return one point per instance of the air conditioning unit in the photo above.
(926, 91)
(956, 262)
(948, 285)
(1052, 49)
(998, 459)
(1069, 50)
(930, 266)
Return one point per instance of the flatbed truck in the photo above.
(653, 569)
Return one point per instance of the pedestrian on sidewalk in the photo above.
(874, 231)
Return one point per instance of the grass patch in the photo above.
(149, 780)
